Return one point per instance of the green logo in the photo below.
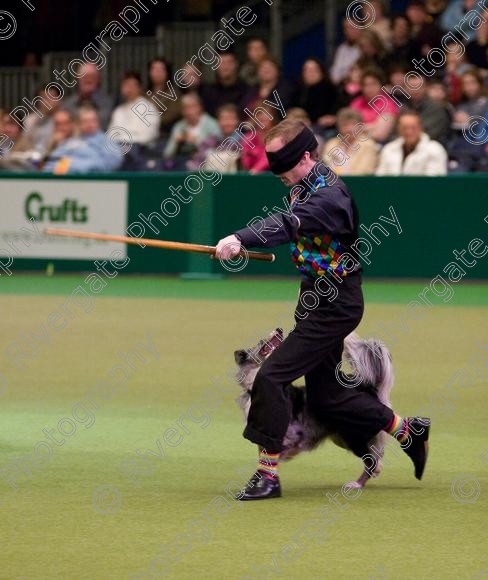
(68, 211)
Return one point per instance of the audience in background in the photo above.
(474, 101)
(437, 92)
(316, 94)
(16, 151)
(269, 80)
(193, 80)
(134, 130)
(403, 47)
(256, 51)
(89, 92)
(87, 151)
(456, 65)
(226, 160)
(379, 120)
(346, 54)
(228, 88)
(468, 155)
(39, 129)
(424, 30)
(187, 134)
(352, 152)
(454, 14)
(172, 128)
(396, 85)
(435, 117)
(165, 99)
(254, 159)
(350, 88)
(6, 140)
(373, 51)
(477, 50)
(63, 129)
(413, 152)
(381, 25)
(299, 114)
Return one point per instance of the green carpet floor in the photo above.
(120, 440)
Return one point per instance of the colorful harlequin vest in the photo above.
(319, 255)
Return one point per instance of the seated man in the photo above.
(228, 88)
(414, 152)
(85, 153)
(435, 117)
(126, 115)
(89, 92)
(17, 151)
(227, 159)
(188, 134)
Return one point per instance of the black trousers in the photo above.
(314, 349)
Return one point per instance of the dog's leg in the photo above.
(371, 461)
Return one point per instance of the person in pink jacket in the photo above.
(253, 156)
(373, 100)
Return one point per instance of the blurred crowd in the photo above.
(417, 124)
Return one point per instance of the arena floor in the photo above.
(123, 467)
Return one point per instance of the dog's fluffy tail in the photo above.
(370, 361)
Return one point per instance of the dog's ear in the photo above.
(240, 356)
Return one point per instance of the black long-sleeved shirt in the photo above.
(320, 223)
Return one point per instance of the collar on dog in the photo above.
(288, 156)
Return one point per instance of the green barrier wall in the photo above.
(436, 215)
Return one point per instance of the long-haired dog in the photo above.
(371, 370)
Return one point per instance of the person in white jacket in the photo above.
(126, 119)
(414, 152)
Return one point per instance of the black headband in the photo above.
(289, 155)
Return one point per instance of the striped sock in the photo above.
(268, 463)
(398, 428)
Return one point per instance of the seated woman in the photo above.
(227, 158)
(468, 154)
(474, 100)
(159, 73)
(254, 159)
(189, 133)
(316, 94)
(355, 154)
(256, 50)
(379, 124)
(350, 88)
(373, 53)
(269, 80)
(404, 48)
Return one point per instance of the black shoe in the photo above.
(260, 486)
(418, 443)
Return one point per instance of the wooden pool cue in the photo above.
(165, 245)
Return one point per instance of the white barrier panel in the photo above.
(29, 206)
